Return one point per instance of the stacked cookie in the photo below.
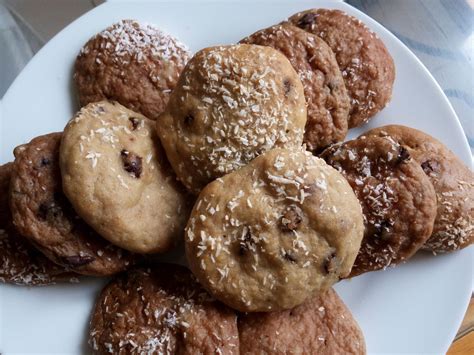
(218, 153)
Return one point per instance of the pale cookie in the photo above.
(117, 178)
(324, 89)
(268, 236)
(366, 65)
(322, 325)
(452, 180)
(231, 104)
(20, 262)
(397, 198)
(135, 64)
(43, 215)
(164, 311)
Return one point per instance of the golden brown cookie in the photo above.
(20, 263)
(324, 89)
(366, 65)
(322, 325)
(231, 104)
(164, 311)
(42, 213)
(452, 180)
(116, 176)
(397, 198)
(133, 63)
(273, 233)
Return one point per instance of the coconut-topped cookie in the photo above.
(269, 235)
(231, 104)
(366, 65)
(452, 180)
(324, 89)
(116, 176)
(161, 311)
(133, 63)
(397, 198)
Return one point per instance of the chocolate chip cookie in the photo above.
(231, 104)
(366, 65)
(117, 178)
(397, 198)
(268, 236)
(164, 311)
(324, 89)
(42, 213)
(322, 325)
(133, 63)
(20, 263)
(452, 180)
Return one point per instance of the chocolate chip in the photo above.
(287, 86)
(289, 257)
(45, 161)
(403, 155)
(188, 120)
(132, 163)
(331, 263)
(49, 211)
(307, 20)
(291, 219)
(77, 260)
(135, 122)
(430, 166)
(246, 244)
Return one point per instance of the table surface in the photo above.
(439, 32)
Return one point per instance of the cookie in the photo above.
(322, 325)
(452, 180)
(135, 64)
(268, 236)
(20, 263)
(231, 104)
(164, 311)
(117, 178)
(42, 213)
(366, 65)
(397, 198)
(324, 89)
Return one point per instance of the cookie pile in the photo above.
(217, 154)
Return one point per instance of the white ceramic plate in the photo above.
(414, 308)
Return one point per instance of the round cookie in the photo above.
(20, 263)
(164, 311)
(322, 325)
(324, 89)
(135, 64)
(397, 198)
(231, 104)
(42, 213)
(366, 65)
(452, 180)
(268, 236)
(116, 176)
